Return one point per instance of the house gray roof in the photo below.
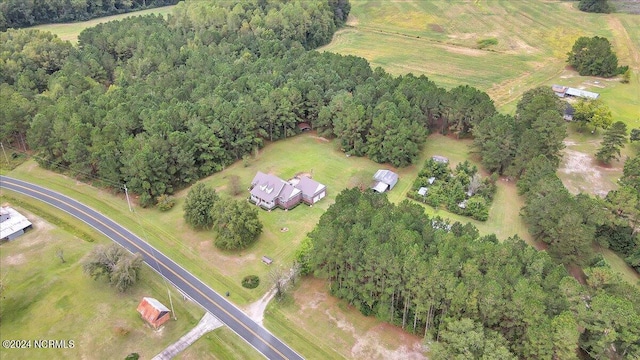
(308, 186)
(386, 176)
(423, 191)
(288, 191)
(266, 186)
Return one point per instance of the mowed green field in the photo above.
(224, 270)
(439, 39)
(45, 298)
(70, 31)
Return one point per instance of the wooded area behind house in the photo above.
(157, 104)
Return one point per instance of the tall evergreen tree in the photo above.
(613, 141)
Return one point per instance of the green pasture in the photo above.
(195, 250)
(283, 230)
(220, 344)
(47, 299)
(440, 40)
(70, 31)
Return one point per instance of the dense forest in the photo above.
(157, 103)
(478, 297)
(23, 13)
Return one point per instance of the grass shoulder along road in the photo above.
(45, 298)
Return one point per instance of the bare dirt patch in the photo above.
(436, 27)
(464, 50)
(321, 138)
(352, 20)
(580, 172)
(14, 260)
(348, 331)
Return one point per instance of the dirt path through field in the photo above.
(621, 35)
(580, 172)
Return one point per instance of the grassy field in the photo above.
(224, 270)
(45, 298)
(440, 39)
(168, 232)
(70, 31)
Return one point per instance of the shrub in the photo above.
(487, 42)
(626, 76)
(235, 188)
(251, 281)
(165, 202)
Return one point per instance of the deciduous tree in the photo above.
(121, 268)
(198, 205)
(595, 6)
(235, 223)
(593, 56)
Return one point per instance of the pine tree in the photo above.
(613, 141)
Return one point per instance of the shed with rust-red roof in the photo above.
(154, 312)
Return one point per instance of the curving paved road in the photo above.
(261, 339)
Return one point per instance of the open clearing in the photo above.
(439, 40)
(224, 270)
(47, 299)
(335, 325)
(70, 31)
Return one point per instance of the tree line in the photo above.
(24, 13)
(158, 104)
(477, 297)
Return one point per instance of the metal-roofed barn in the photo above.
(154, 312)
(440, 159)
(582, 93)
(12, 223)
(384, 180)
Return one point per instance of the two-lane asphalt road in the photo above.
(261, 339)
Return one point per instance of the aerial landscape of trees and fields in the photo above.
(513, 231)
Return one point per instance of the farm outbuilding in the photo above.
(564, 91)
(569, 111)
(440, 159)
(304, 127)
(384, 180)
(154, 312)
(582, 93)
(12, 223)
